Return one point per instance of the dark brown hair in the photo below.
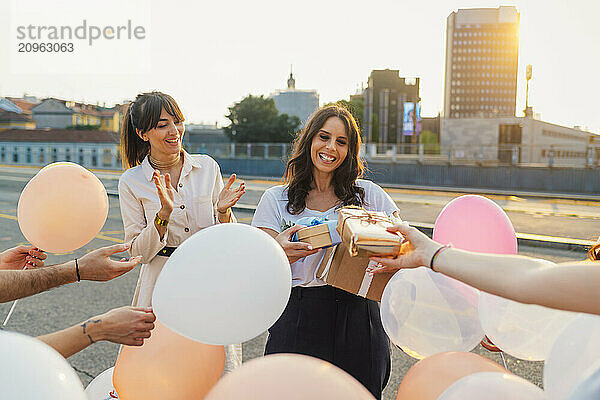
(299, 170)
(143, 114)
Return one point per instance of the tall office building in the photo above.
(482, 51)
(392, 108)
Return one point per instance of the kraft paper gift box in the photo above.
(319, 233)
(365, 234)
(348, 273)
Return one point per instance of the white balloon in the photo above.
(32, 370)
(576, 349)
(225, 284)
(588, 387)
(492, 386)
(425, 313)
(101, 388)
(525, 331)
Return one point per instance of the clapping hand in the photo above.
(166, 193)
(229, 196)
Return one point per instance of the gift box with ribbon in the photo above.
(364, 233)
(348, 273)
(319, 232)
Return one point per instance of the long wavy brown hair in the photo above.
(299, 170)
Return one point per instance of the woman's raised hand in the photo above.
(229, 196)
(166, 193)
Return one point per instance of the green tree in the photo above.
(430, 142)
(256, 119)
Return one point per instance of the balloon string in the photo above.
(504, 361)
(12, 308)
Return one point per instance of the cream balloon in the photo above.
(425, 313)
(575, 351)
(225, 284)
(431, 376)
(33, 370)
(525, 331)
(492, 386)
(62, 208)
(289, 377)
(101, 387)
(167, 366)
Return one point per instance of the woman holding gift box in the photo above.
(167, 195)
(319, 320)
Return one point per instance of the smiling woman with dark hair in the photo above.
(167, 195)
(322, 321)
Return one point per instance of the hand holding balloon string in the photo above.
(22, 257)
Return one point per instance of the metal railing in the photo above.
(107, 155)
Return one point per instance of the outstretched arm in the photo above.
(568, 286)
(125, 325)
(94, 266)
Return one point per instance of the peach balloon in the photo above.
(430, 377)
(168, 366)
(289, 377)
(62, 208)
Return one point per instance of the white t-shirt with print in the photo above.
(272, 213)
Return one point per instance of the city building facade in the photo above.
(61, 114)
(482, 51)
(38, 147)
(516, 140)
(392, 107)
(292, 101)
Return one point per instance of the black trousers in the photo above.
(338, 327)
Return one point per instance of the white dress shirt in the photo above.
(196, 198)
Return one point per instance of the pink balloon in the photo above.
(290, 377)
(62, 208)
(475, 223)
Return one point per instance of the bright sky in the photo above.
(210, 54)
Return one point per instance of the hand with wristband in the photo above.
(419, 250)
(511, 276)
(98, 266)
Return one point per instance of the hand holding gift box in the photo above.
(319, 232)
(365, 233)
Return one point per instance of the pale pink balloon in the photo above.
(475, 223)
(289, 377)
(62, 208)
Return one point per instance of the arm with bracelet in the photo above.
(147, 237)
(569, 286)
(125, 325)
